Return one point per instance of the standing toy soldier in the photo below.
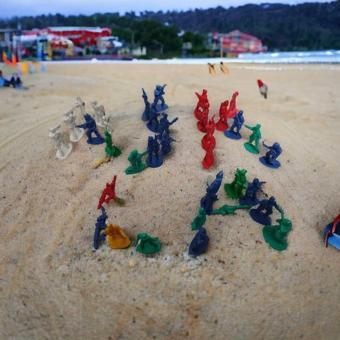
(63, 149)
(254, 140)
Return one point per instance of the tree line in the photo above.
(309, 26)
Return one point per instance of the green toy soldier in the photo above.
(137, 165)
(254, 140)
(276, 235)
(146, 244)
(111, 150)
(235, 190)
(199, 220)
(229, 209)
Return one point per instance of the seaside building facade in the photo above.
(234, 43)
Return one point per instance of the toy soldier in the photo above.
(100, 115)
(254, 140)
(63, 149)
(75, 133)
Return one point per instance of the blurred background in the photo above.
(78, 29)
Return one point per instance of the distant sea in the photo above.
(312, 57)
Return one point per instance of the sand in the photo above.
(52, 286)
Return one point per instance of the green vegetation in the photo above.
(310, 26)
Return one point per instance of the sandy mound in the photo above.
(53, 286)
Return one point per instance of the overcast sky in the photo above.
(10, 8)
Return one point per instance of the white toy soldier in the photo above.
(81, 105)
(99, 115)
(75, 133)
(63, 149)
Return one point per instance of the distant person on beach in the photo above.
(211, 68)
(224, 69)
(15, 81)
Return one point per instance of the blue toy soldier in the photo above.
(155, 155)
(164, 123)
(270, 159)
(234, 132)
(262, 213)
(165, 141)
(90, 127)
(199, 243)
(211, 194)
(146, 113)
(100, 226)
(250, 197)
(159, 91)
(153, 123)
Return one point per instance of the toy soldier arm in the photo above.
(248, 127)
(82, 126)
(174, 121)
(266, 146)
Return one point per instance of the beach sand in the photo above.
(52, 286)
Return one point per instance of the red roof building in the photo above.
(236, 42)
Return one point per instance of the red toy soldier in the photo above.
(227, 113)
(263, 88)
(109, 193)
(201, 111)
(222, 124)
(208, 144)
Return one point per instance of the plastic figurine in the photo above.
(202, 107)
(211, 194)
(262, 213)
(224, 69)
(201, 111)
(232, 106)
(146, 244)
(222, 123)
(98, 232)
(100, 115)
(111, 150)
(229, 209)
(234, 132)
(155, 155)
(250, 197)
(165, 141)
(227, 113)
(332, 233)
(153, 123)
(146, 112)
(137, 164)
(199, 243)
(158, 93)
(253, 143)
(276, 235)
(75, 133)
(109, 193)
(81, 105)
(235, 189)
(164, 123)
(208, 144)
(90, 128)
(270, 159)
(263, 88)
(199, 220)
(116, 238)
(63, 149)
(211, 68)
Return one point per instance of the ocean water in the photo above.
(311, 57)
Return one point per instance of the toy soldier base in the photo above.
(275, 164)
(232, 135)
(276, 235)
(251, 148)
